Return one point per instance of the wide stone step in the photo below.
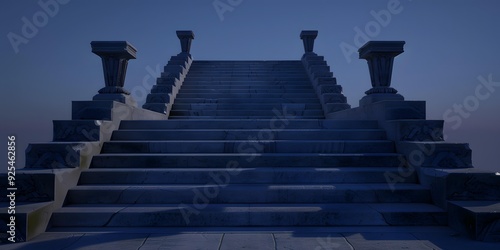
(211, 117)
(247, 62)
(249, 73)
(247, 95)
(249, 100)
(255, 175)
(251, 124)
(250, 158)
(228, 87)
(246, 81)
(248, 134)
(234, 146)
(395, 214)
(216, 106)
(248, 194)
(255, 83)
(190, 79)
(269, 112)
(245, 91)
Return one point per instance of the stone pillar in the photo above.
(308, 37)
(115, 56)
(380, 57)
(186, 37)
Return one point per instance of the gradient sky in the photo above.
(449, 45)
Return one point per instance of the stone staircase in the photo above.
(246, 89)
(246, 144)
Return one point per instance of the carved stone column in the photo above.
(380, 57)
(308, 37)
(115, 56)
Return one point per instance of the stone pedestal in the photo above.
(322, 79)
(115, 56)
(186, 37)
(308, 37)
(380, 57)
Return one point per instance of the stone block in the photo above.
(329, 89)
(123, 98)
(82, 130)
(168, 81)
(374, 98)
(161, 108)
(57, 155)
(325, 80)
(317, 74)
(31, 187)
(414, 130)
(335, 107)
(319, 68)
(473, 185)
(159, 98)
(162, 89)
(436, 154)
(384, 111)
(332, 98)
(111, 111)
(480, 220)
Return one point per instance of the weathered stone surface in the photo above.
(82, 130)
(380, 57)
(480, 220)
(415, 130)
(384, 111)
(308, 37)
(436, 154)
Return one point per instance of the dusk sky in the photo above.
(451, 58)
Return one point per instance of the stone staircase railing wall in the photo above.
(167, 86)
(325, 85)
(53, 168)
(464, 192)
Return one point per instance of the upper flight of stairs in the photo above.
(247, 145)
(246, 89)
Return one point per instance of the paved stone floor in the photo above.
(255, 238)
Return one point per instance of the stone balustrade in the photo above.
(168, 84)
(329, 92)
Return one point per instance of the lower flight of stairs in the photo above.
(247, 172)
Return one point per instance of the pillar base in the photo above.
(373, 98)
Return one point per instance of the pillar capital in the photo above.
(186, 37)
(114, 56)
(308, 37)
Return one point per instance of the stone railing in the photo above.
(167, 86)
(53, 168)
(325, 85)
